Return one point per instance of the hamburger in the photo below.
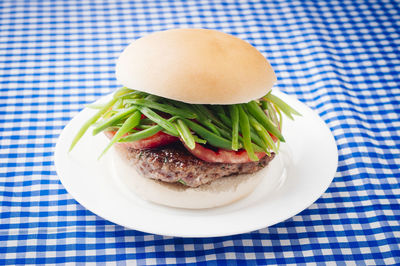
(195, 120)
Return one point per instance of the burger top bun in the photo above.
(198, 66)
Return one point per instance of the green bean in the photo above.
(146, 121)
(271, 110)
(182, 182)
(210, 126)
(133, 95)
(225, 119)
(88, 123)
(221, 130)
(218, 109)
(121, 92)
(152, 97)
(115, 128)
(261, 117)
(119, 124)
(118, 104)
(112, 120)
(205, 121)
(181, 105)
(143, 126)
(146, 132)
(130, 123)
(226, 133)
(221, 127)
(286, 109)
(199, 140)
(258, 143)
(259, 149)
(245, 129)
(257, 140)
(280, 117)
(199, 111)
(185, 134)
(108, 114)
(163, 108)
(142, 134)
(168, 126)
(204, 110)
(264, 104)
(280, 125)
(263, 133)
(212, 138)
(234, 113)
(256, 147)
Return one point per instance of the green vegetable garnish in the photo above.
(234, 113)
(259, 114)
(168, 126)
(230, 127)
(204, 120)
(113, 120)
(130, 123)
(286, 109)
(212, 139)
(90, 122)
(162, 107)
(145, 133)
(263, 134)
(245, 129)
(185, 134)
(182, 182)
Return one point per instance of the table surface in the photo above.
(341, 58)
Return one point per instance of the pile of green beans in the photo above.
(251, 126)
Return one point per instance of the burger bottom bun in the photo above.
(220, 192)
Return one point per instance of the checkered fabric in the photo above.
(341, 58)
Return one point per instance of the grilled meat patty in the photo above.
(174, 163)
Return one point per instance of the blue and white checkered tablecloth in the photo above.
(341, 58)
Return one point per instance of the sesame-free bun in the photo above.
(195, 66)
(218, 193)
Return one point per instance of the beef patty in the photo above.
(174, 163)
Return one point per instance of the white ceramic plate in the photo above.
(295, 179)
